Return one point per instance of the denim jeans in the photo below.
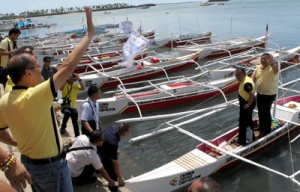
(51, 177)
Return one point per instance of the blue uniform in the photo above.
(109, 151)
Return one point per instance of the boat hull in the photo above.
(206, 160)
(179, 100)
(171, 44)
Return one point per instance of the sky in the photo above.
(30, 5)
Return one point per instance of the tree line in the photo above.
(64, 10)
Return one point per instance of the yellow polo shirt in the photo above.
(4, 46)
(29, 115)
(72, 90)
(266, 80)
(244, 94)
(9, 85)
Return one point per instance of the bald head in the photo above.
(205, 184)
(18, 64)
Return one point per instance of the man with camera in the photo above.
(69, 106)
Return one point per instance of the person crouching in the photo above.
(84, 161)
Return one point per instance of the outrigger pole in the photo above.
(182, 113)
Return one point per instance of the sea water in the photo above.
(237, 18)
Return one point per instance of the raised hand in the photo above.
(89, 21)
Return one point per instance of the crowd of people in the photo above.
(45, 164)
(36, 135)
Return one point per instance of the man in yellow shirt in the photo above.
(6, 51)
(69, 108)
(265, 76)
(27, 111)
(247, 103)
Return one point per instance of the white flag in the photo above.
(125, 27)
(134, 45)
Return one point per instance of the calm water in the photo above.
(238, 18)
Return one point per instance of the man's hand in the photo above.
(246, 106)
(18, 176)
(89, 21)
(121, 182)
(111, 183)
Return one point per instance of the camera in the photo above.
(66, 101)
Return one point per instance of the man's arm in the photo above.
(253, 76)
(80, 82)
(3, 52)
(87, 126)
(118, 172)
(6, 138)
(16, 174)
(249, 89)
(275, 68)
(250, 100)
(68, 66)
(4, 46)
(5, 187)
(106, 176)
(100, 123)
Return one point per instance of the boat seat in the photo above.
(223, 144)
(165, 87)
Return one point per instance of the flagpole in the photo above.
(179, 25)
(267, 31)
(114, 24)
(230, 29)
(198, 24)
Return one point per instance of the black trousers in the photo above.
(70, 112)
(264, 104)
(245, 119)
(87, 172)
(93, 126)
(3, 76)
(108, 166)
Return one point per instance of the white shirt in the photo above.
(87, 112)
(80, 158)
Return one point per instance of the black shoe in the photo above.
(241, 143)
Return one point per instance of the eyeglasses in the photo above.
(47, 61)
